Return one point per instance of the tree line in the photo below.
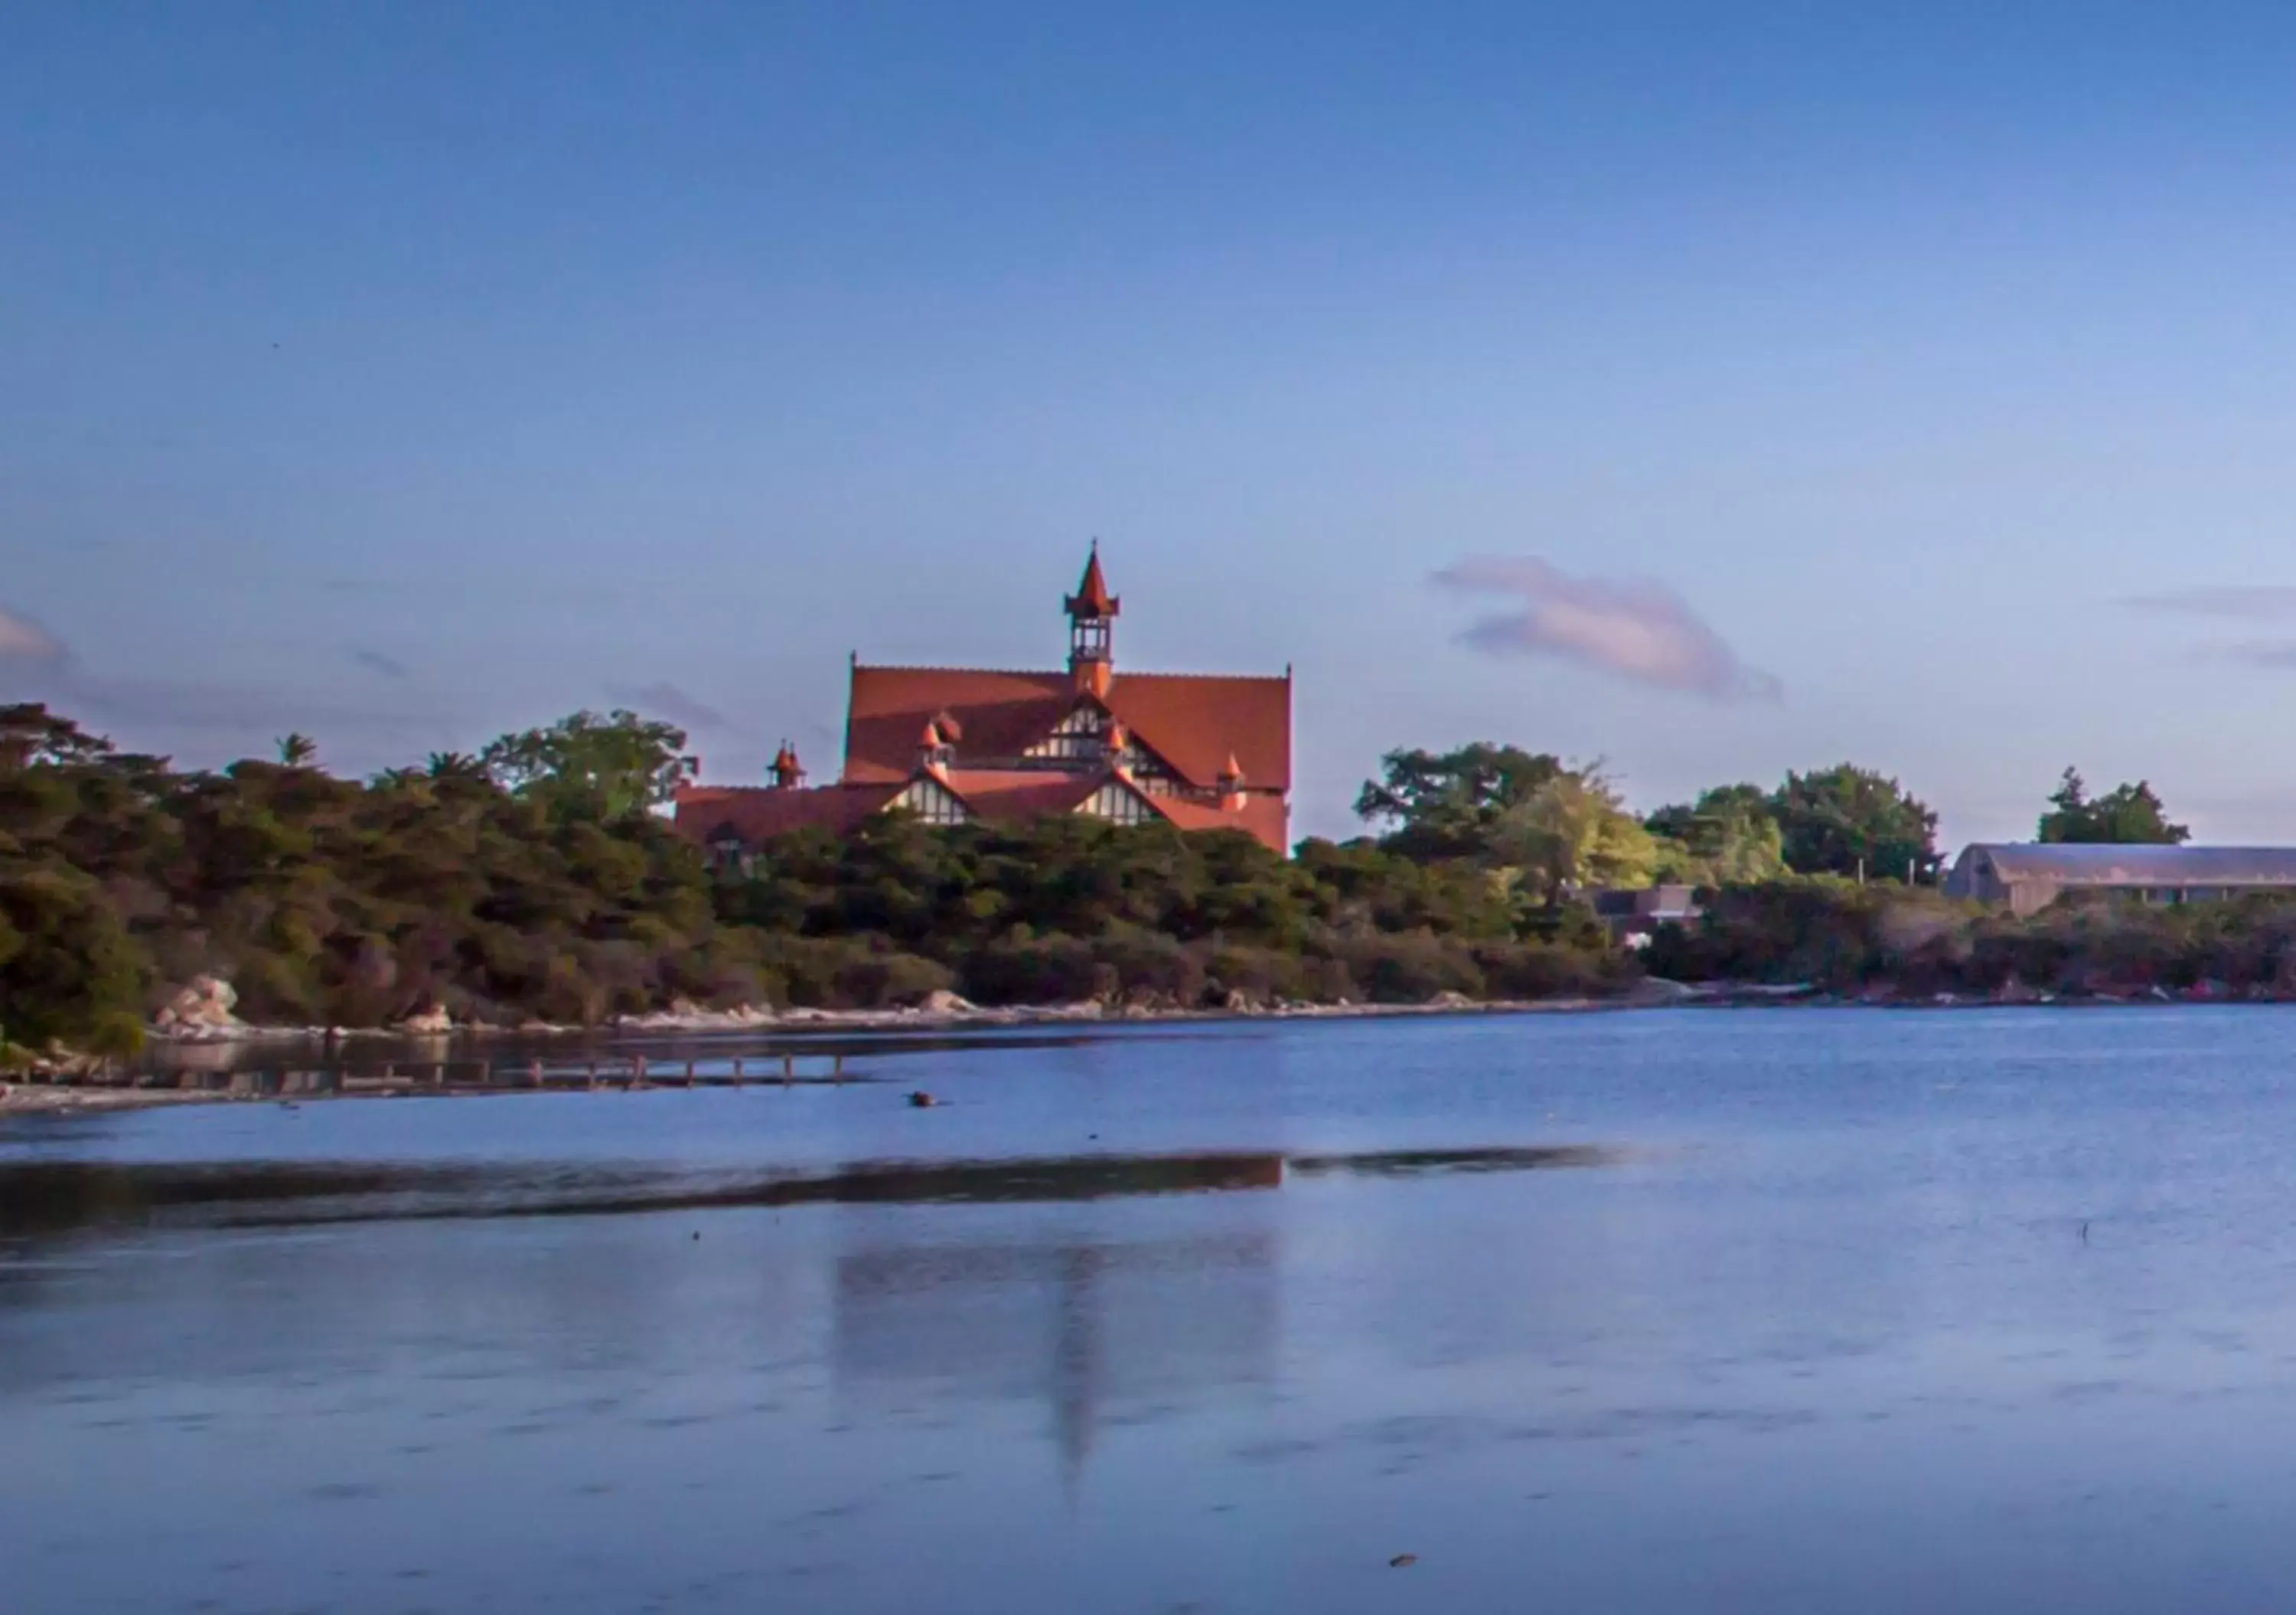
(1567, 827)
(537, 880)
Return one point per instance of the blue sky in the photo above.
(1715, 390)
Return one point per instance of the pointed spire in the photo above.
(1231, 771)
(1092, 598)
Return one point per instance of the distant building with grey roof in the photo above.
(2030, 876)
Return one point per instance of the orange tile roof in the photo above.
(1198, 721)
(998, 716)
(1261, 814)
(1021, 793)
(1025, 793)
(754, 813)
(1195, 722)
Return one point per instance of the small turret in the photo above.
(1231, 784)
(934, 749)
(786, 772)
(1092, 618)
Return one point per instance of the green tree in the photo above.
(296, 749)
(1445, 805)
(1729, 837)
(1851, 821)
(2128, 813)
(30, 734)
(615, 765)
(70, 973)
(1571, 832)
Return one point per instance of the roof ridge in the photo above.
(835, 784)
(2127, 848)
(1122, 675)
(904, 667)
(1262, 679)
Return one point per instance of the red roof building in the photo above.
(951, 745)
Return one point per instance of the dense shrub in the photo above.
(69, 969)
(1845, 937)
(533, 883)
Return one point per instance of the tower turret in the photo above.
(787, 774)
(1092, 619)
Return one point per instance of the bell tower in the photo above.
(1092, 619)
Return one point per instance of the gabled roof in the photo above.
(1193, 721)
(1197, 722)
(754, 813)
(751, 814)
(1261, 814)
(2104, 864)
(1021, 793)
(998, 716)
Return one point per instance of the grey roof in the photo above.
(2082, 864)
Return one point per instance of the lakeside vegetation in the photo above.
(1887, 941)
(535, 880)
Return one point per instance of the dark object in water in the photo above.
(922, 1101)
(1403, 1561)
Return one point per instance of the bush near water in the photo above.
(535, 881)
(1884, 940)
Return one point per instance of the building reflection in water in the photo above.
(1081, 1320)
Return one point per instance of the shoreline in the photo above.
(958, 1015)
(66, 1091)
(954, 1015)
(75, 1096)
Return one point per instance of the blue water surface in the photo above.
(1782, 1310)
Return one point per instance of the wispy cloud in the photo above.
(2249, 603)
(2278, 653)
(2238, 602)
(1632, 627)
(377, 662)
(23, 640)
(664, 700)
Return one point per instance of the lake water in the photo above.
(1776, 1310)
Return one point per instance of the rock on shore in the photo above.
(201, 1008)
